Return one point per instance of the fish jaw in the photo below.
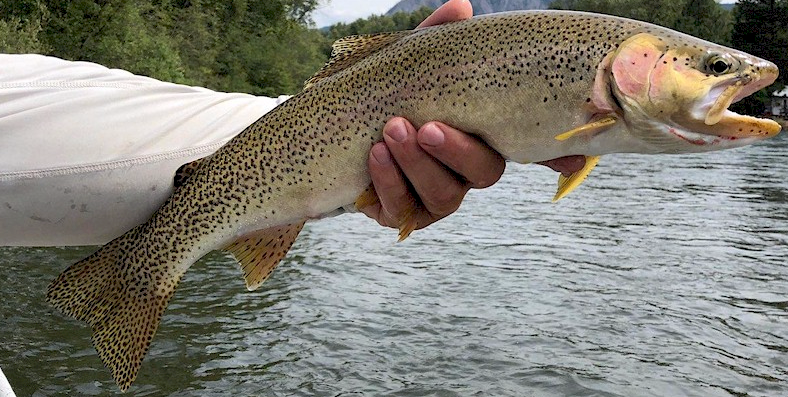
(675, 102)
(721, 122)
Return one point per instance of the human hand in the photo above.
(424, 174)
(421, 176)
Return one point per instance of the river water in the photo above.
(660, 276)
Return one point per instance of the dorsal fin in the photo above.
(347, 51)
(260, 251)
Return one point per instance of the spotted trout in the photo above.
(533, 85)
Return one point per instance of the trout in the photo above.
(533, 85)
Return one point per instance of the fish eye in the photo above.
(718, 64)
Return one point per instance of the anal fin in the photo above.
(260, 251)
(407, 220)
(592, 127)
(567, 184)
(368, 198)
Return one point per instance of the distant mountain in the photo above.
(479, 6)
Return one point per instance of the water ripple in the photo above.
(661, 276)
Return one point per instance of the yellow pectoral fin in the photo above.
(594, 126)
(567, 184)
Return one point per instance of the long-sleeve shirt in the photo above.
(88, 152)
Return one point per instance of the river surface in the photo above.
(660, 276)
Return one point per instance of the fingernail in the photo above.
(397, 131)
(431, 135)
(381, 154)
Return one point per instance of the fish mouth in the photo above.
(713, 122)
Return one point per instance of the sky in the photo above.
(332, 11)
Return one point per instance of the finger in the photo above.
(453, 10)
(467, 156)
(389, 184)
(566, 165)
(439, 190)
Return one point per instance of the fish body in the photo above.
(533, 85)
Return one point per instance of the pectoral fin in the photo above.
(259, 252)
(592, 127)
(567, 184)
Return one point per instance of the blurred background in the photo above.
(270, 47)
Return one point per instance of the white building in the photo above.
(779, 105)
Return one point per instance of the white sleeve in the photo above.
(88, 152)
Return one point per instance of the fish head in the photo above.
(674, 93)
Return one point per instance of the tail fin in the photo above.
(121, 299)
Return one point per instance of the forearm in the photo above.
(87, 152)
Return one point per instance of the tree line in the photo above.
(262, 47)
(269, 47)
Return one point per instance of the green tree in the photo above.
(20, 37)
(705, 19)
(661, 12)
(264, 47)
(761, 28)
(21, 24)
(700, 18)
(130, 35)
(379, 23)
(238, 45)
(134, 37)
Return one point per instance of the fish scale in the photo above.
(533, 85)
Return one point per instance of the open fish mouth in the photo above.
(713, 122)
